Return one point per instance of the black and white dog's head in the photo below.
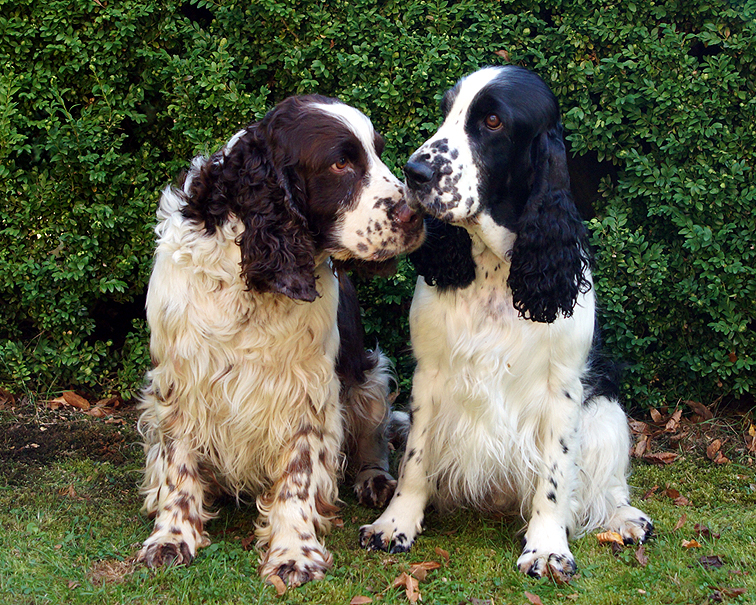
(497, 168)
(306, 181)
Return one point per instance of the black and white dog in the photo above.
(513, 405)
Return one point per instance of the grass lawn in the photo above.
(69, 512)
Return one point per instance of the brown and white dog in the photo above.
(259, 368)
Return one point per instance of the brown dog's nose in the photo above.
(406, 216)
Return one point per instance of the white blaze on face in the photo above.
(366, 228)
(454, 197)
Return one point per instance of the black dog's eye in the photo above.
(493, 122)
(340, 165)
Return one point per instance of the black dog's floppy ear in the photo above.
(445, 259)
(550, 255)
(277, 251)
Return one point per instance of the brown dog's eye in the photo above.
(340, 165)
(493, 122)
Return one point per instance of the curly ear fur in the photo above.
(445, 259)
(276, 247)
(550, 255)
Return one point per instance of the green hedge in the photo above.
(103, 103)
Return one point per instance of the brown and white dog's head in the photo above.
(306, 181)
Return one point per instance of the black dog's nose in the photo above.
(418, 174)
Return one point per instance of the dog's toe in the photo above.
(538, 564)
(632, 524)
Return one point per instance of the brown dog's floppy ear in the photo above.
(277, 249)
(550, 255)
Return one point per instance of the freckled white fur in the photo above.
(463, 166)
(235, 368)
(490, 416)
(365, 229)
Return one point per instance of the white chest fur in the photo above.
(237, 371)
(491, 376)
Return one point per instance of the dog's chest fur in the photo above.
(270, 359)
(492, 376)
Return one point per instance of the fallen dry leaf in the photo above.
(638, 428)
(67, 492)
(711, 561)
(678, 500)
(660, 458)
(442, 553)
(75, 400)
(705, 532)
(277, 583)
(655, 415)
(110, 571)
(733, 592)
(640, 448)
(680, 522)
(713, 449)
(55, 404)
(671, 492)
(503, 54)
(650, 492)
(420, 570)
(691, 544)
(360, 600)
(410, 585)
(6, 398)
(97, 412)
(609, 537)
(559, 578)
(700, 409)
(533, 598)
(673, 423)
(640, 556)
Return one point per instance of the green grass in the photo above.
(73, 515)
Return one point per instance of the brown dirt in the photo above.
(34, 435)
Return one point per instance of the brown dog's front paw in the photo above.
(163, 554)
(296, 566)
(374, 488)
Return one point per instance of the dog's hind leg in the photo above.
(605, 461)
(364, 378)
(367, 412)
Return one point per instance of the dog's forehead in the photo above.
(353, 119)
(468, 89)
